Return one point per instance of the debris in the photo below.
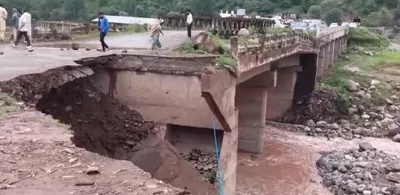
(85, 183)
(92, 171)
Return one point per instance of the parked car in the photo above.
(345, 24)
(334, 25)
(299, 26)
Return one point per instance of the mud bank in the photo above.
(104, 126)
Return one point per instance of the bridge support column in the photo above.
(251, 100)
(321, 63)
(327, 58)
(280, 98)
(344, 44)
(337, 48)
(332, 53)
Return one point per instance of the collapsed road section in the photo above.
(102, 125)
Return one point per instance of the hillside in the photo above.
(375, 12)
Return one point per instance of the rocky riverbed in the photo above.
(373, 112)
(204, 162)
(364, 170)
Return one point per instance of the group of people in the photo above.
(21, 26)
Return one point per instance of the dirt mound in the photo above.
(29, 88)
(322, 104)
(100, 124)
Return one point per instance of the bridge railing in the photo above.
(255, 51)
(224, 26)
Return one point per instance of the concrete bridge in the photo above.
(186, 92)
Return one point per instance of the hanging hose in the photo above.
(221, 192)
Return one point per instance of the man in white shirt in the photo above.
(189, 22)
(3, 19)
(25, 25)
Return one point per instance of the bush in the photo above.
(363, 37)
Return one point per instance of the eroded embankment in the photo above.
(102, 125)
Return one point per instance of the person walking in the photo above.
(189, 22)
(24, 26)
(104, 26)
(3, 19)
(155, 31)
(15, 23)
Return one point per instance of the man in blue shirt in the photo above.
(103, 28)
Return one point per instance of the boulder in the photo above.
(243, 32)
(75, 46)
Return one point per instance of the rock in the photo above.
(322, 124)
(87, 49)
(352, 187)
(394, 97)
(92, 171)
(388, 101)
(1, 53)
(84, 183)
(393, 177)
(352, 86)
(307, 129)
(396, 189)
(352, 110)
(151, 186)
(392, 127)
(310, 123)
(375, 82)
(61, 49)
(124, 51)
(365, 116)
(396, 138)
(367, 192)
(75, 46)
(393, 166)
(334, 126)
(243, 32)
(393, 132)
(366, 146)
(361, 94)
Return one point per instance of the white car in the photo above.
(334, 25)
(353, 25)
(345, 24)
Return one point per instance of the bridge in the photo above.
(187, 92)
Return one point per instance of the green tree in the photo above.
(333, 15)
(306, 4)
(314, 12)
(202, 7)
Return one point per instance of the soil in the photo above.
(38, 158)
(322, 104)
(104, 126)
(99, 123)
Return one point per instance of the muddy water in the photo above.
(284, 169)
(287, 166)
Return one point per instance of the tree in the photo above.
(306, 4)
(202, 7)
(314, 12)
(333, 16)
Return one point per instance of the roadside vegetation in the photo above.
(367, 52)
(8, 104)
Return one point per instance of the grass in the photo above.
(383, 59)
(7, 104)
(227, 62)
(271, 30)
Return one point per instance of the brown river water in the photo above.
(287, 166)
